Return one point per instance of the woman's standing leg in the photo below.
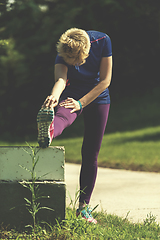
(95, 120)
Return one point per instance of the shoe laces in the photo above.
(86, 212)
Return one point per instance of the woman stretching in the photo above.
(83, 70)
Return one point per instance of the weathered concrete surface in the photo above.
(51, 161)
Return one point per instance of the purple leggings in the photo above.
(95, 120)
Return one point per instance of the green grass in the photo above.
(133, 150)
(137, 150)
(109, 227)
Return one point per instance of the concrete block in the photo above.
(12, 193)
(51, 161)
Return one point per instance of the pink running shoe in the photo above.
(44, 119)
(86, 214)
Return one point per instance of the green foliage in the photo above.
(32, 29)
(3, 42)
(33, 205)
(109, 227)
(150, 220)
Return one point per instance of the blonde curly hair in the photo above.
(74, 46)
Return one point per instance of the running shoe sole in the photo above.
(44, 119)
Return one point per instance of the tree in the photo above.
(32, 29)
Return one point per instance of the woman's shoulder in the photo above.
(100, 44)
(96, 35)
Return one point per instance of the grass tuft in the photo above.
(109, 227)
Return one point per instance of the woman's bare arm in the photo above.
(60, 84)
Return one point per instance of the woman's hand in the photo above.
(50, 102)
(70, 103)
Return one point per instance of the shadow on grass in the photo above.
(154, 137)
(145, 138)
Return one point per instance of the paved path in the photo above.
(120, 192)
